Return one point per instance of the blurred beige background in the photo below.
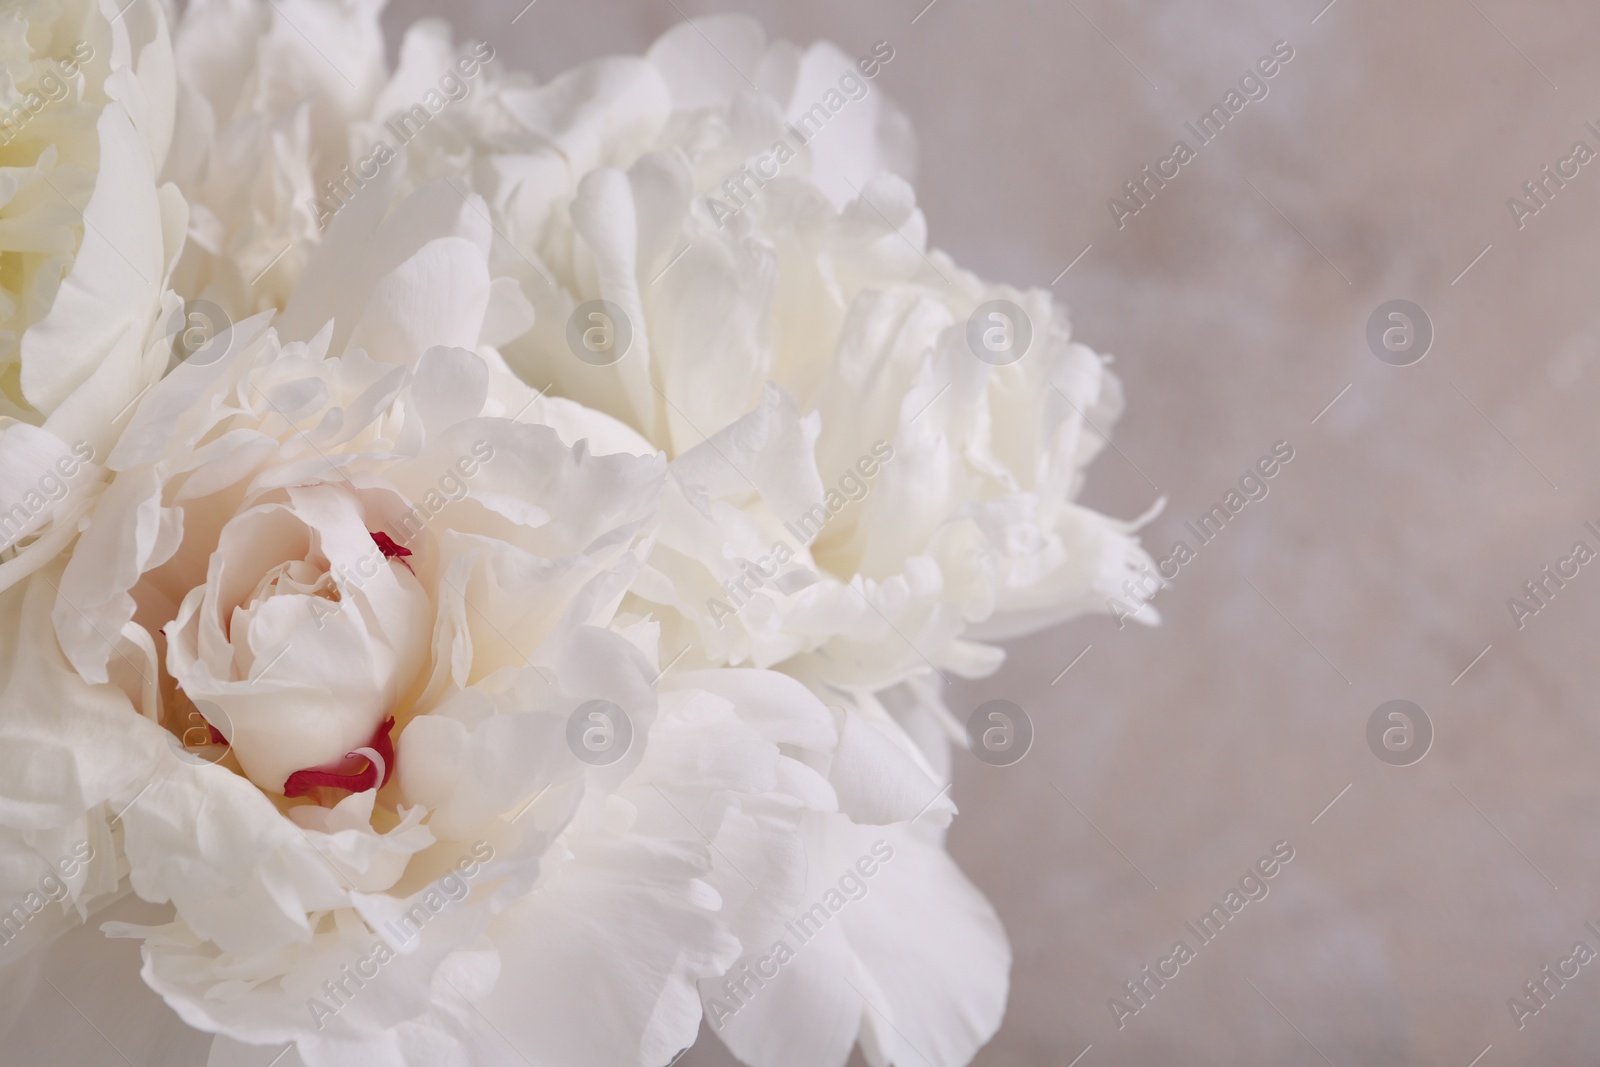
(1168, 760)
(1378, 167)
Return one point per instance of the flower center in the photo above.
(295, 577)
(349, 774)
(390, 550)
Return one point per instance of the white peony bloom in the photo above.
(891, 946)
(480, 710)
(875, 455)
(928, 491)
(288, 113)
(87, 241)
(410, 794)
(268, 93)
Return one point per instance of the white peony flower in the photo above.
(453, 703)
(86, 113)
(267, 96)
(891, 945)
(287, 113)
(965, 472)
(724, 253)
(364, 777)
(87, 241)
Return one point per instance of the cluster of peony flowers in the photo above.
(489, 563)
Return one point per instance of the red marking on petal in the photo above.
(390, 549)
(216, 735)
(358, 780)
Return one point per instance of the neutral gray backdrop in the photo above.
(1379, 567)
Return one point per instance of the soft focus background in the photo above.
(1380, 565)
(1168, 760)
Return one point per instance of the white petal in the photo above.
(110, 297)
